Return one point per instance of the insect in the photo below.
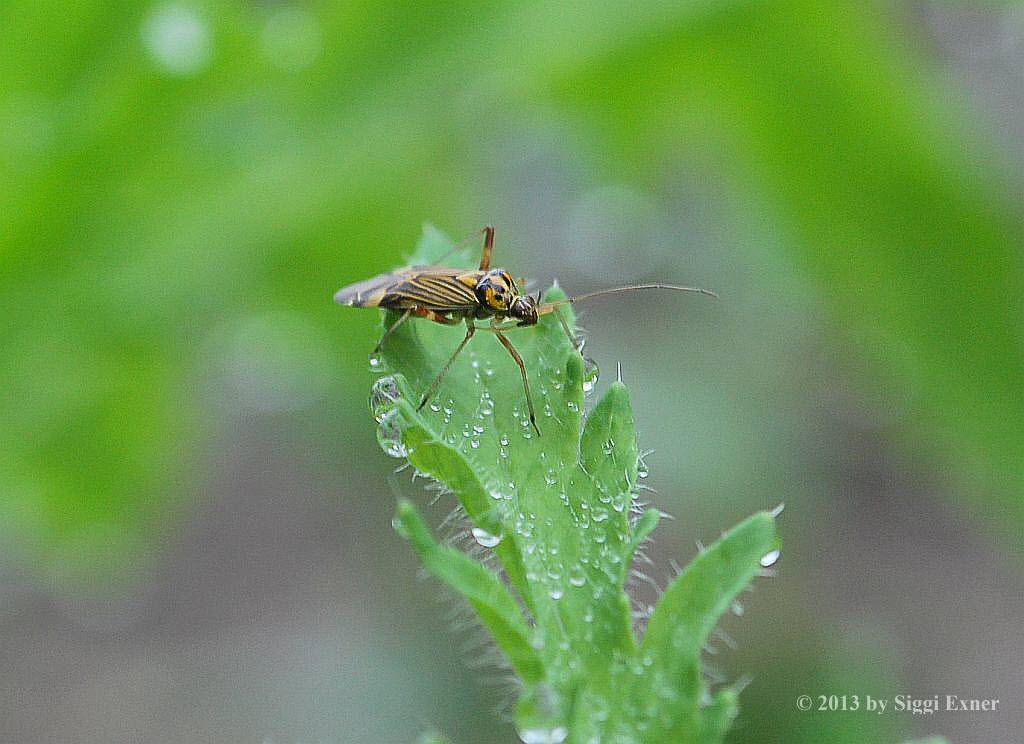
(452, 296)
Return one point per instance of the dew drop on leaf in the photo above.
(389, 435)
(485, 538)
(555, 735)
(769, 559)
(399, 527)
(383, 395)
(641, 468)
(590, 374)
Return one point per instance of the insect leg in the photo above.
(561, 318)
(485, 258)
(522, 369)
(391, 329)
(470, 330)
(439, 261)
(422, 312)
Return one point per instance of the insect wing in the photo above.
(369, 292)
(438, 289)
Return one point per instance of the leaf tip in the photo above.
(406, 519)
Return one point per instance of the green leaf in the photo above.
(687, 613)
(483, 589)
(558, 524)
(557, 511)
(717, 717)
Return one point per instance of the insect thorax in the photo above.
(496, 291)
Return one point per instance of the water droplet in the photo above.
(556, 593)
(383, 395)
(769, 559)
(737, 609)
(435, 406)
(577, 578)
(474, 443)
(550, 478)
(555, 735)
(399, 527)
(375, 362)
(389, 435)
(641, 468)
(590, 374)
(485, 538)
(608, 446)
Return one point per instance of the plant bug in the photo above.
(452, 296)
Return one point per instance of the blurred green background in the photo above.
(195, 515)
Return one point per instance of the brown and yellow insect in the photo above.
(452, 296)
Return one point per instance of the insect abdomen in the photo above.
(432, 288)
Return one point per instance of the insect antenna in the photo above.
(547, 307)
